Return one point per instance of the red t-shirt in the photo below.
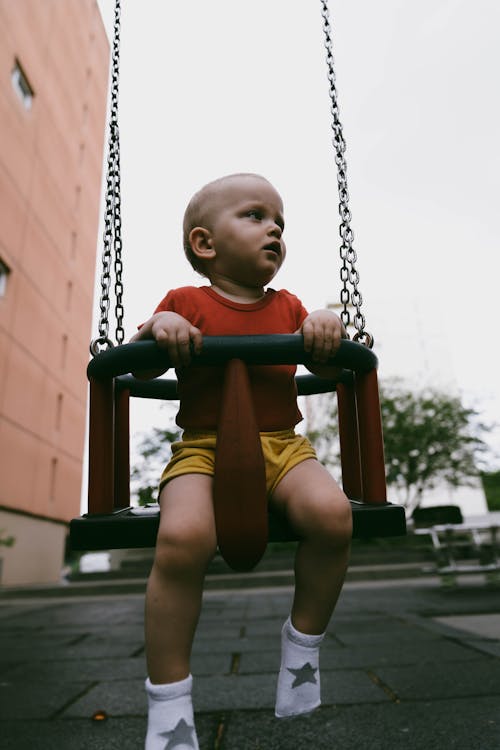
(273, 386)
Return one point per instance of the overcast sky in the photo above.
(207, 89)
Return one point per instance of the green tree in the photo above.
(6, 541)
(430, 438)
(491, 484)
(153, 454)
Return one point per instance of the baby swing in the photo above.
(244, 524)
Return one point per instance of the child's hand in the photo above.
(322, 331)
(173, 333)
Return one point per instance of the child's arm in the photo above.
(322, 331)
(173, 333)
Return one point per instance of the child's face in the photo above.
(246, 227)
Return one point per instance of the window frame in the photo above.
(4, 278)
(21, 85)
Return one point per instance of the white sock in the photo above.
(170, 716)
(298, 681)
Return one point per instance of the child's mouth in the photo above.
(274, 247)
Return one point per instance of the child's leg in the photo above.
(318, 509)
(320, 512)
(185, 545)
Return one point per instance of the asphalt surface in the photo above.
(406, 664)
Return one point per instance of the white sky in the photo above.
(210, 88)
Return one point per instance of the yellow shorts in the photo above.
(195, 454)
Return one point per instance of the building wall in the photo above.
(37, 550)
(50, 177)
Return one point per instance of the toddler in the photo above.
(233, 235)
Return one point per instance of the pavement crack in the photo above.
(73, 699)
(78, 639)
(220, 732)
(235, 663)
(333, 637)
(383, 686)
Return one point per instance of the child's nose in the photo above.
(275, 230)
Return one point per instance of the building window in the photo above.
(59, 408)
(4, 277)
(73, 245)
(64, 351)
(69, 295)
(52, 479)
(21, 85)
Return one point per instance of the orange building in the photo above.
(54, 58)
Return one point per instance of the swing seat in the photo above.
(112, 524)
(131, 528)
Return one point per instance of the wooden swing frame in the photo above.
(111, 523)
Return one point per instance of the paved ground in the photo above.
(396, 670)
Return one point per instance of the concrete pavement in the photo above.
(406, 664)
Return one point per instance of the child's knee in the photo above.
(186, 537)
(333, 519)
(343, 519)
(183, 549)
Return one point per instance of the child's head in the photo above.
(234, 215)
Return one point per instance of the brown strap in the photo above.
(240, 495)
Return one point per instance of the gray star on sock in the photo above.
(303, 675)
(182, 734)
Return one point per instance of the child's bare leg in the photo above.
(319, 511)
(186, 543)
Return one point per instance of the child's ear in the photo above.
(200, 240)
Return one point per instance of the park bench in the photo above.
(464, 549)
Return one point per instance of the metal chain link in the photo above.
(112, 215)
(113, 224)
(348, 271)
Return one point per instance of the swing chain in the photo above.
(112, 216)
(113, 224)
(348, 271)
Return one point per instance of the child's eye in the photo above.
(254, 213)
